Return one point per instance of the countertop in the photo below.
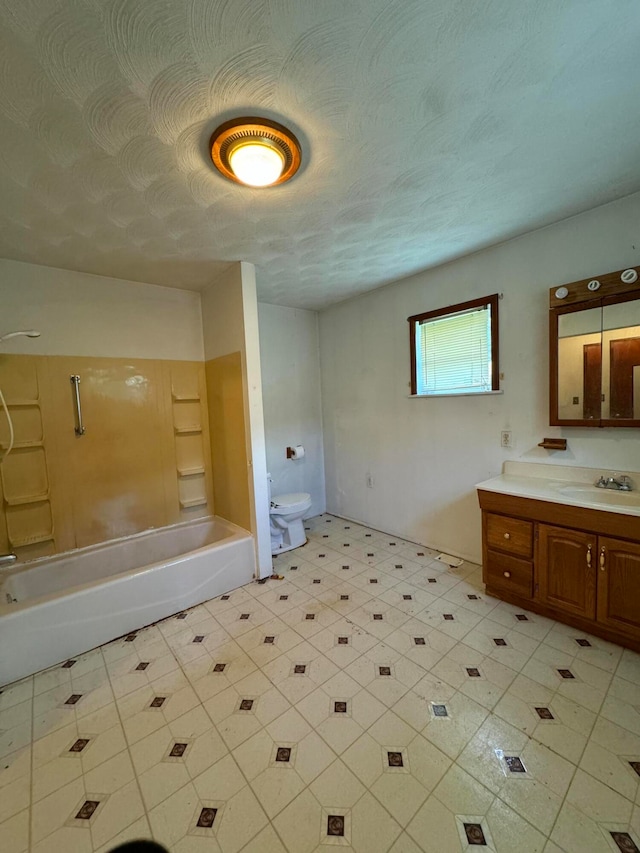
(564, 484)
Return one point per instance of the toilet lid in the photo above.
(285, 501)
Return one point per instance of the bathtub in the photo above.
(56, 607)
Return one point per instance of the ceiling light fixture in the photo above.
(256, 152)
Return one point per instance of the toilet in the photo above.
(285, 514)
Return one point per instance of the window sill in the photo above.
(453, 394)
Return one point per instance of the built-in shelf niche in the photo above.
(23, 402)
(27, 424)
(191, 502)
(21, 445)
(27, 501)
(190, 472)
(24, 473)
(187, 426)
(29, 522)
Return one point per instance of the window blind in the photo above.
(453, 353)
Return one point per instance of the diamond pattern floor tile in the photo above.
(366, 701)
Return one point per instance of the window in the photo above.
(455, 350)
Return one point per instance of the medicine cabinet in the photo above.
(594, 355)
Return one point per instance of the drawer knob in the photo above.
(507, 574)
(507, 536)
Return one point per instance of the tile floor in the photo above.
(373, 700)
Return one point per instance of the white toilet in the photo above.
(287, 527)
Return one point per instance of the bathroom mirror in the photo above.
(595, 356)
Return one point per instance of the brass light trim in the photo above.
(261, 131)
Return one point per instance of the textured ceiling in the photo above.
(430, 128)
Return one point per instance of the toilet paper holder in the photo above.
(296, 452)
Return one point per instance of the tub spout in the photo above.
(6, 559)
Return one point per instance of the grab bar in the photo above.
(75, 381)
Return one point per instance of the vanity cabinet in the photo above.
(509, 554)
(577, 565)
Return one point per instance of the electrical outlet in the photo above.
(505, 438)
(370, 481)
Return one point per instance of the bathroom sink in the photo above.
(565, 484)
(591, 494)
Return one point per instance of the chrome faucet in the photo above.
(622, 484)
(6, 559)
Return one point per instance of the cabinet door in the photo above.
(567, 570)
(619, 585)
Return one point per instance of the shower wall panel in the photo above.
(229, 439)
(127, 473)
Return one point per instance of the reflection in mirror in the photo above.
(621, 360)
(580, 365)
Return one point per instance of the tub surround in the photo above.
(55, 608)
(144, 461)
(554, 542)
(225, 394)
(168, 475)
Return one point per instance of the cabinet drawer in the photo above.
(509, 534)
(509, 573)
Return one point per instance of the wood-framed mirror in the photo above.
(594, 352)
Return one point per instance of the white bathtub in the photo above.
(57, 607)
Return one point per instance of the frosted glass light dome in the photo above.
(256, 163)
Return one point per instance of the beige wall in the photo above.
(571, 373)
(230, 323)
(258, 488)
(426, 455)
(290, 361)
(82, 314)
(222, 310)
(617, 322)
(607, 337)
(226, 379)
(143, 462)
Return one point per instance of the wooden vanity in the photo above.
(577, 564)
(552, 541)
